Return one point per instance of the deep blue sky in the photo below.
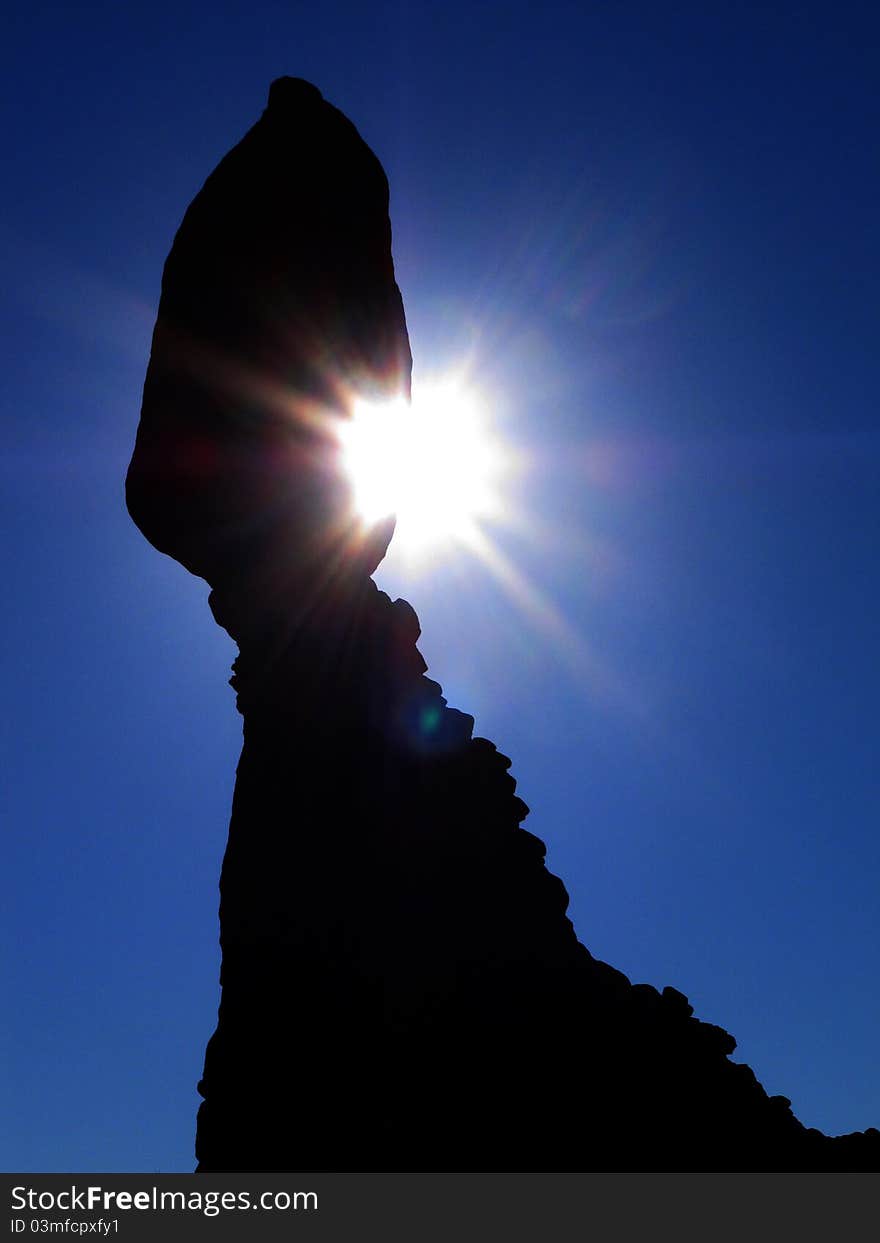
(654, 229)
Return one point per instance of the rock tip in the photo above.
(286, 91)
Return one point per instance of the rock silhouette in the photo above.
(401, 987)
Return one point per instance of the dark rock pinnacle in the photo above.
(401, 987)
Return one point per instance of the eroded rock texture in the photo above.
(401, 987)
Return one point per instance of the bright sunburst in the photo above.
(432, 463)
(437, 465)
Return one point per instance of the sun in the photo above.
(433, 464)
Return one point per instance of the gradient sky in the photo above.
(652, 228)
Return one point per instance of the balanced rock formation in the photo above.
(401, 987)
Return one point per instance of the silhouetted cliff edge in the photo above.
(401, 987)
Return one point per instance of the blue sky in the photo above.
(652, 230)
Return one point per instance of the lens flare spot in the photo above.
(430, 719)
